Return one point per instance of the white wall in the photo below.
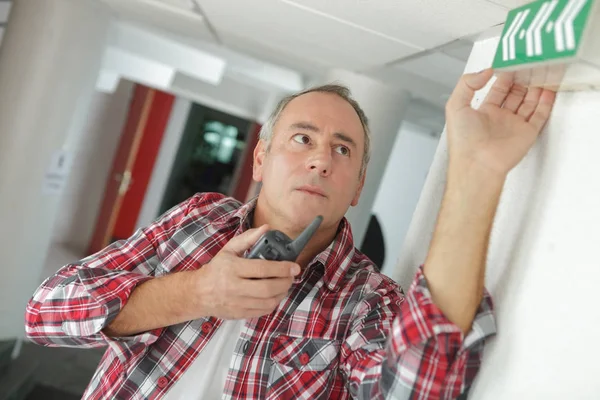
(47, 76)
(401, 187)
(543, 267)
(92, 161)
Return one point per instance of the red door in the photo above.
(130, 174)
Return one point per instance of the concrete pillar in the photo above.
(49, 63)
(385, 108)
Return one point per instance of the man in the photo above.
(183, 314)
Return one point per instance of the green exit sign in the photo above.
(558, 39)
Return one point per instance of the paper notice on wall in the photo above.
(56, 176)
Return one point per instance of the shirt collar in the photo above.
(336, 259)
(240, 217)
(244, 214)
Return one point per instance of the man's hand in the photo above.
(484, 145)
(499, 134)
(233, 287)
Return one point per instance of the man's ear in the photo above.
(260, 152)
(359, 189)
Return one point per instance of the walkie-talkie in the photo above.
(277, 246)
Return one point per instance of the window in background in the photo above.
(210, 150)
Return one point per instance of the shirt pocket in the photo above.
(302, 368)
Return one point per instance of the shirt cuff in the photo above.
(420, 320)
(110, 290)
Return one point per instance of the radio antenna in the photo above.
(298, 245)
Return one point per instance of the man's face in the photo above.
(313, 164)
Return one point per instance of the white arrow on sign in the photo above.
(508, 41)
(564, 35)
(534, 33)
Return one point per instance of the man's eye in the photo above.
(300, 138)
(343, 150)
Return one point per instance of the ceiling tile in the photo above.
(4, 10)
(185, 4)
(510, 4)
(460, 49)
(169, 15)
(292, 30)
(437, 67)
(422, 23)
(278, 56)
(418, 86)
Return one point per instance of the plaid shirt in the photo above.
(344, 331)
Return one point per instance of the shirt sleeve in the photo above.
(414, 352)
(72, 307)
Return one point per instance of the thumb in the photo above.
(467, 86)
(239, 244)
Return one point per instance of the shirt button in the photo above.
(304, 359)
(206, 327)
(281, 340)
(246, 346)
(162, 382)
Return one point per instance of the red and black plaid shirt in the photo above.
(344, 331)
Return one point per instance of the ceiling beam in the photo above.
(198, 10)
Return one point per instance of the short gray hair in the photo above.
(266, 131)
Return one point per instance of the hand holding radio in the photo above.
(233, 287)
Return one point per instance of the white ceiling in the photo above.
(418, 45)
(354, 34)
(316, 34)
(426, 39)
(286, 28)
(418, 23)
(510, 3)
(176, 16)
(436, 66)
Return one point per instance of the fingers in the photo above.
(530, 102)
(500, 90)
(466, 87)
(239, 244)
(515, 97)
(543, 109)
(266, 269)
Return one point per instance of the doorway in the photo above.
(211, 148)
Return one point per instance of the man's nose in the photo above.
(320, 161)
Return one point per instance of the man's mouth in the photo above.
(313, 190)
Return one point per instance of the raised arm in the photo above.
(435, 343)
(484, 145)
